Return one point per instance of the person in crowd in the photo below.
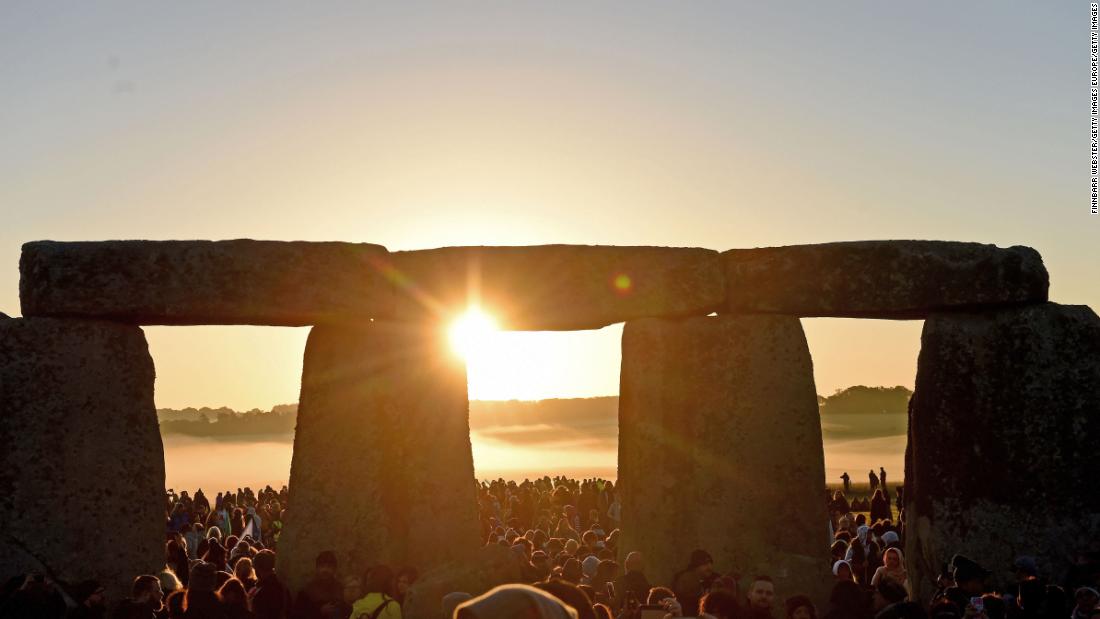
(378, 591)
(800, 607)
(1025, 567)
(886, 594)
(353, 590)
(893, 568)
(606, 572)
(1085, 604)
(230, 571)
(406, 577)
(145, 601)
(194, 534)
(880, 507)
(201, 600)
(632, 582)
(515, 602)
(538, 568)
(847, 600)
(842, 570)
(174, 605)
(761, 598)
(234, 600)
(571, 595)
(571, 571)
(588, 569)
(323, 596)
(269, 599)
(968, 575)
(719, 605)
(169, 584)
(857, 559)
(694, 580)
(244, 571)
(90, 599)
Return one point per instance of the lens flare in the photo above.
(622, 283)
(469, 332)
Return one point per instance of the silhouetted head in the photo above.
(800, 607)
(720, 604)
(378, 579)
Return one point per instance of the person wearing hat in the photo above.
(692, 582)
(968, 575)
(800, 607)
(515, 602)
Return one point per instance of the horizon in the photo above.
(295, 403)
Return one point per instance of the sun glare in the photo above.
(470, 331)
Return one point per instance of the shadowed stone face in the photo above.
(382, 470)
(881, 279)
(205, 282)
(81, 462)
(558, 287)
(1002, 458)
(720, 448)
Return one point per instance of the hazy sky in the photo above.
(419, 125)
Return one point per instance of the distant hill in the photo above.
(514, 421)
(861, 400)
(219, 422)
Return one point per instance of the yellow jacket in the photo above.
(364, 606)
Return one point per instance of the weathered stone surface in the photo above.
(205, 282)
(881, 279)
(82, 467)
(1002, 456)
(558, 287)
(719, 440)
(382, 470)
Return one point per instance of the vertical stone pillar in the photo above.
(81, 461)
(720, 449)
(1002, 457)
(382, 470)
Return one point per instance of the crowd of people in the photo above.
(564, 535)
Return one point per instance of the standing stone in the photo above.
(558, 287)
(382, 470)
(205, 282)
(1002, 458)
(881, 279)
(720, 449)
(81, 462)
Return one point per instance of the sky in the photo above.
(418, 125)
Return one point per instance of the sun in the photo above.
(469, 332)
